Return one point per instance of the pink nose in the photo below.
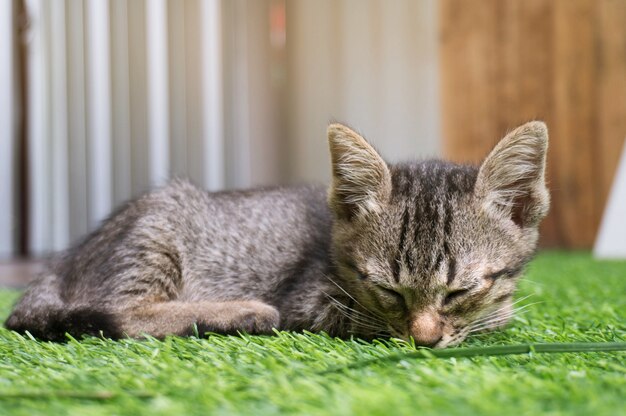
(426, 328)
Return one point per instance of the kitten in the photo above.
(430, 250)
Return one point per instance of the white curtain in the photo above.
(124, 95)
(8, 124)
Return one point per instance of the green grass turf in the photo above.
(579, 300)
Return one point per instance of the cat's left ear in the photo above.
(361, 181)
(512, 181)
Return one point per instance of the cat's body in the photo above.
(415, 250)
(185, 244)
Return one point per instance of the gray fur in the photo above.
(430, 250)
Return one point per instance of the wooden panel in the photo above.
(611, 98)
(507, 62)
(469, 108)
(573, 124)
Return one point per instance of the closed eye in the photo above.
(506, 273)
(359, 273)
(454, 295)
(499, 274)
(361, 276)
(393, 294)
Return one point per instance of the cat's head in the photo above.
(433, 250)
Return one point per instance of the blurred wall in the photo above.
(369, 63)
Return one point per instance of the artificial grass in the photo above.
(576, 299)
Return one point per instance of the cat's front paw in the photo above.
(256, 318)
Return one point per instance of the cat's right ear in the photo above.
(511, 180)
(361, 181)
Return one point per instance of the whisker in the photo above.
(523, 298)
(491, 324)
(355, 319)
(497, 311)
(457, 337)
(496, 320)
(362, 325)
(487, 318)
(491, 318)
(498, 317)
(344, 307)
(491, 321)
(358, 321)
(351, 297)
(344, 291)
(488, 325)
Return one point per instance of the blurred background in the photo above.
(102, 100)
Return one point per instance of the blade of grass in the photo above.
(496, 350)
(67, 394)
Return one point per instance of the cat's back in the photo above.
(282, 212)
(244, 238)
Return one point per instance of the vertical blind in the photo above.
(122, 95)
(8, 124)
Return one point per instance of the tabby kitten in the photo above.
(430, 250)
